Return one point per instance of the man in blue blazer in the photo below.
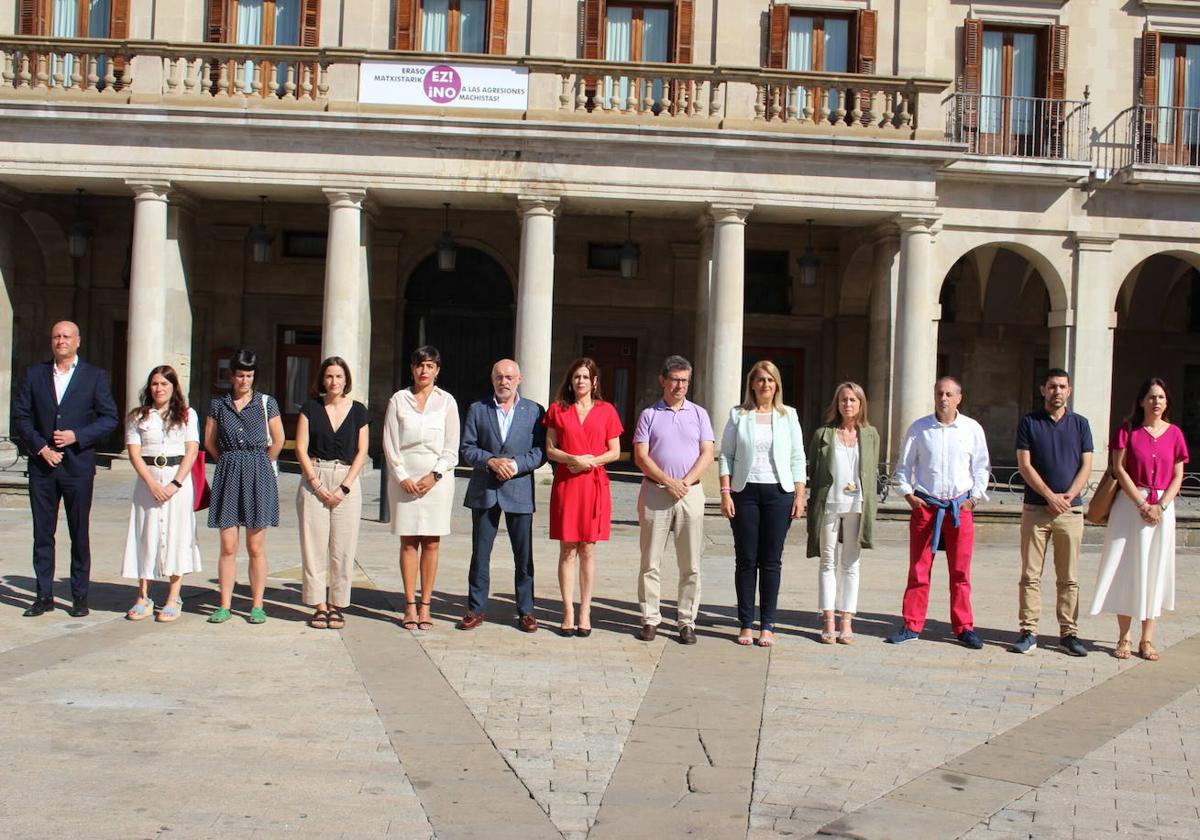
(63, 409)
(503, 441)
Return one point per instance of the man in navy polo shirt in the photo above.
(1054, 455)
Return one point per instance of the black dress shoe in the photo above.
(79, 608)
(38, 607)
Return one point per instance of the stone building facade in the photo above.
(866, 189)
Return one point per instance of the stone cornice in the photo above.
(1100, 241)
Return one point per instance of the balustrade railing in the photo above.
(280, 76)
(1163, 135)
(79, 65)
(1020, 126)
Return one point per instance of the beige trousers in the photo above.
(328, 538)
(1038, 528)
(661, 515)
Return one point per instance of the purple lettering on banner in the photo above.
(442, 84)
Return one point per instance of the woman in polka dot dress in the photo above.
(245, 490)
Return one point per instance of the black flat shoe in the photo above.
(79, 608)
(567, 632)
(39, 607)
(582, 632)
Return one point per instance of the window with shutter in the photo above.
(1171, 98)
(76, 19)
(266, 22)
(459, 26)
(801, 39)
(1013, 81)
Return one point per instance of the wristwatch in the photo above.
(437, 476)
(177, 484)
(344, 489)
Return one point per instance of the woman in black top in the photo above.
(331, 446)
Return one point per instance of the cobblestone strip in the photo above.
(463, 783)
(952, 799)
(687, 768)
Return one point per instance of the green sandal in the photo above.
(257, 616)
(220, 616)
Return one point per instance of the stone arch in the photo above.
(952, 246)
(407, 266)
(1157, 333)
(52, 240)
(854, 287)
(468, 314)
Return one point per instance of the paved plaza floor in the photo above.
(116, 729)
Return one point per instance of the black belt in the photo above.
(164, 460)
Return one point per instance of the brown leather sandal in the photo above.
(1123, 650)
(1147, 651)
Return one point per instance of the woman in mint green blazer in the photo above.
(845, 460)
(762, 490)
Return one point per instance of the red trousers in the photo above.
(958, 543)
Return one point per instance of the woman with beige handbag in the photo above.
(1137, 564)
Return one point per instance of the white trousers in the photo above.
(837, 578)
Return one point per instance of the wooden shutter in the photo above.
(406, 21)
(498, 27)
(867, 28)
(1056, 63)
(972, 55)
(118, 20)
(685, 30)
(1151, 49)
(593, 29)
(310, 23)
(34, 17)
(217, 30)
(777, 37)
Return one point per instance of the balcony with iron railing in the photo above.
(1029, 127)
(275, 77)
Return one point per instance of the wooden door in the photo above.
(617, 360)
(297, 357)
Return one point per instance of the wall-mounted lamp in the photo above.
(447, 248)
(808, 262)
(630, 252)
(79, 234)
(259, 237)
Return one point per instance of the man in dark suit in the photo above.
(503, 441)
(63, 409)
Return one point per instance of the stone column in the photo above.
(8, 281)
(881, 334)
(916, 326)
(1060, 323)
(341, 324)
(727, 312)
(700, 359)
(147, 289)
(1093, 292)
(535, 296)
(177, 298)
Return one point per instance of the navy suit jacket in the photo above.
(526, 444)
(87, 409)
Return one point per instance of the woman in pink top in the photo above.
(1137, 565)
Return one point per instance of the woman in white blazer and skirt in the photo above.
(762, 490)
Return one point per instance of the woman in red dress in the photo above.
(582, 435)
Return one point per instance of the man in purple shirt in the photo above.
(672, 446)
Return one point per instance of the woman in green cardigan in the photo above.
(844, 456)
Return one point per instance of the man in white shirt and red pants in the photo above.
(943, 474)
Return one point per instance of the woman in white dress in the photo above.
(1136, 578)
(163, 437)
(420, 444)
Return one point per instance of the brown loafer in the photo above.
(470, 621)
(646, 634)
(526, 623)
(687, 635)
